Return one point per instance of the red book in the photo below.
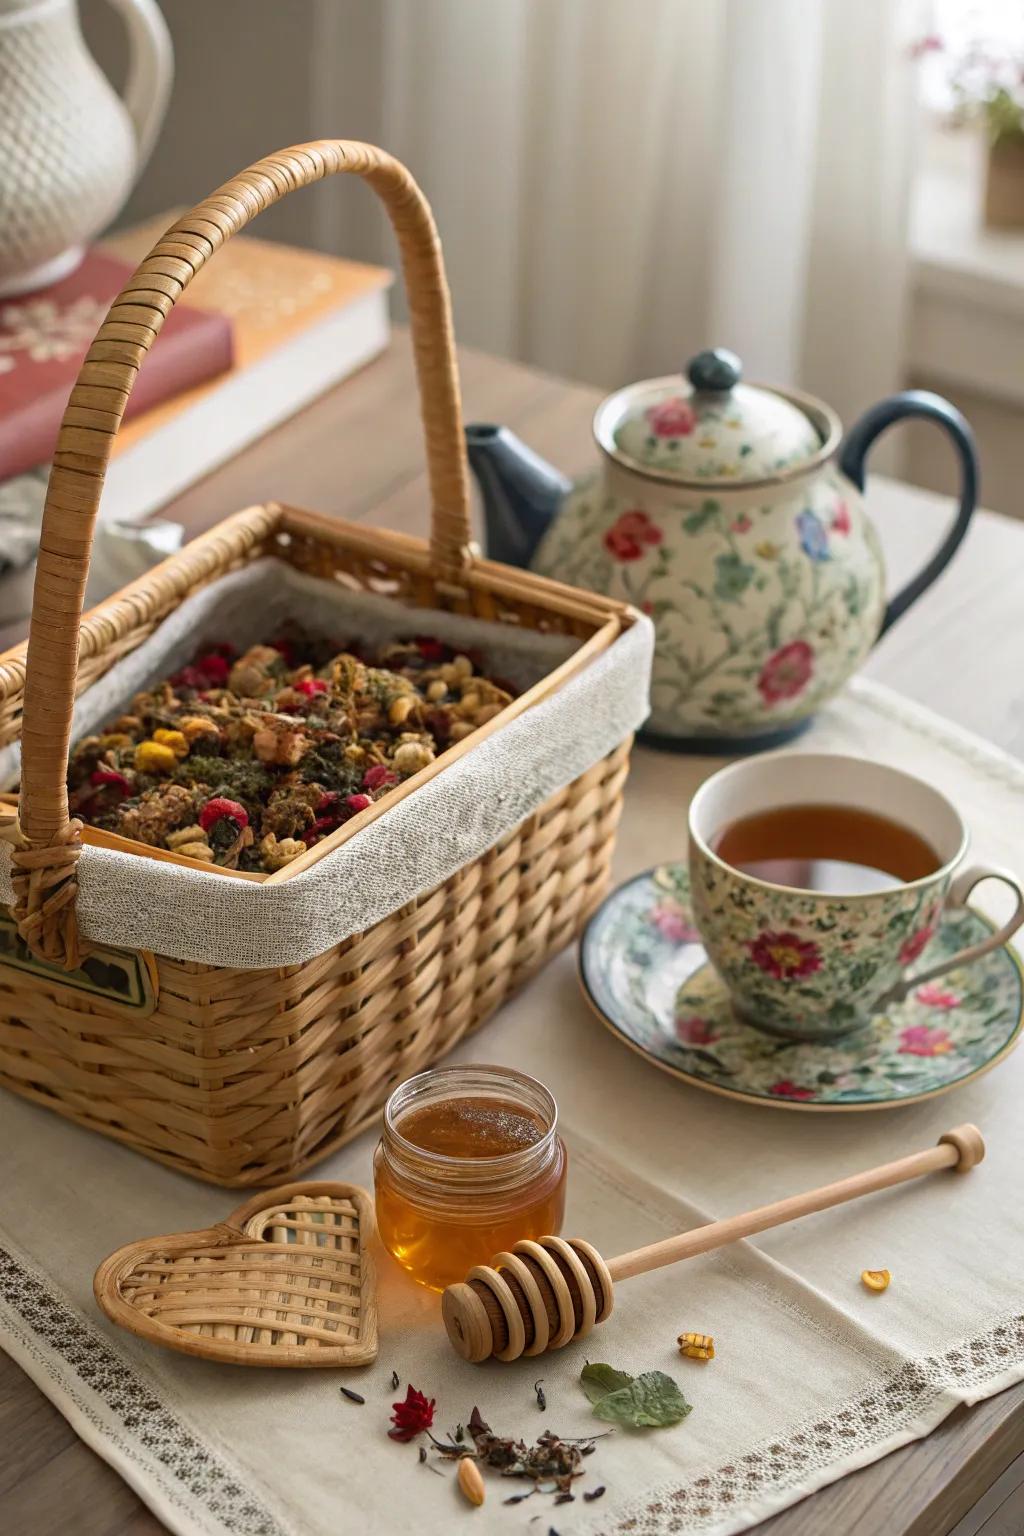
(45, 335)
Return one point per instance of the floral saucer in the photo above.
(644, 972)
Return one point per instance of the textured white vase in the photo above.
(70, 148)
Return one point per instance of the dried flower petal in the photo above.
(411, 1417)
(214, 809)
(108, 776)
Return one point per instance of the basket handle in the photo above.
(44, 878)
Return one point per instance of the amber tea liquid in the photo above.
(464, 1176)
(837, 849)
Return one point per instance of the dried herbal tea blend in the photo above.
(551, 1461)
(246, 761)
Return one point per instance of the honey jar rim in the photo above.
(496, 1162)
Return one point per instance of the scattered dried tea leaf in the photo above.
(651, 1400)
(876, 1279)
(598, 1380)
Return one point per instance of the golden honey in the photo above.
(470, 1162)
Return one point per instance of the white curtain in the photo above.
(621, 182)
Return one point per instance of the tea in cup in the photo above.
(818, 882)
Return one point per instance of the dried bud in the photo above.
(411, 756)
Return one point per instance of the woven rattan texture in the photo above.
(285, 1281)
(242, 1076)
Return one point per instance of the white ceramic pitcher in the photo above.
(70, 148)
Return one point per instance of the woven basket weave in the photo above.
(247, 1076)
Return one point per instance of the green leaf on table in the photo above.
(647, 1401)
(651, 1400)
(598, 1380)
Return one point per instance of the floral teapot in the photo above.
(732, 515)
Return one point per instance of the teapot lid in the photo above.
(708, 428)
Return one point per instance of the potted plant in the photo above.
(987, 83)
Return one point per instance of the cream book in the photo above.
(301, 322)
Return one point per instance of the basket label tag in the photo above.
(125, 977)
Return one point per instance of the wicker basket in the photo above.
(247, 1076)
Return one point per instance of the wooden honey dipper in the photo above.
(543, 1294)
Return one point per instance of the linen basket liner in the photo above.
(133, 902)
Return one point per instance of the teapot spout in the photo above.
(520, 492)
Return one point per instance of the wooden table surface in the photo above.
(357, 452)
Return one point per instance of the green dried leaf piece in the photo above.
(598, 1380)
(648, 1401)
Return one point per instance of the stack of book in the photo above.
(261, 331)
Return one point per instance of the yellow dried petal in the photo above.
(400, 709)
(177, 742)
(194, 726)
(470, 1480)
(697, 1346)
(154, 757)
(875, 1279)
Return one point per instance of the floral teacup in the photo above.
(811, 964)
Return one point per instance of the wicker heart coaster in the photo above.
(285, 1280)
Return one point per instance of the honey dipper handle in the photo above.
(960, 1148)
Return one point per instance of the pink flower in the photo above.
(787, 1090)
(672, 418)
(924, 1040)
(693, 1030)
(841, 521)
(741, 524)
(672, 922)
(934, 997)
(784, 955)
(916, 944)
(627, 538)
(787, 673)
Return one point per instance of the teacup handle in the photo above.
(957, 896)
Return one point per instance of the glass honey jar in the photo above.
(470, 1162)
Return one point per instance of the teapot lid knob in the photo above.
(715, 371)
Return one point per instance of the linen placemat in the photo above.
(813, 1375)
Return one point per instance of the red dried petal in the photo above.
(215, 809)
(310, 686)
(214, 669)
(189, 677)
(378, 775)
(357, 803)
(411, 1417)
(110, 776)
(430, 649)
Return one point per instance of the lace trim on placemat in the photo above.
(855, 1428)
(187, 1471)
(994, 761)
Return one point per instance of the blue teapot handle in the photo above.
(854, 451)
